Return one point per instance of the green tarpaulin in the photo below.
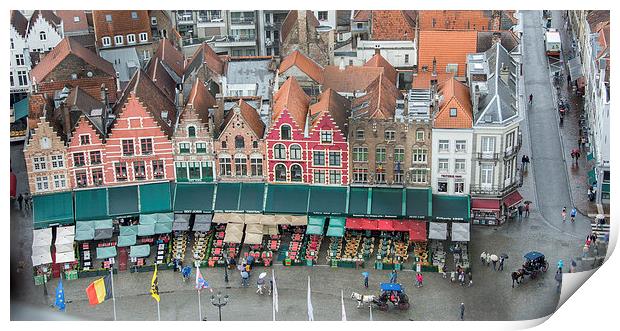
(605, 187)
(103, 224)
(155, 198)
(590, 156)
(165, 217)
(252, 197)
(314, 229)
(194, 198)
(227, 197)
(337, 222)
(316, 224)
(592, 176)
(327, 200)
(106, 252)
(450, 208)
(335, 232)
(163, 227)
(91, 204)
(387, 202)
(129, 230)
(148, 219)
(287, 199)
(51, 209)
(126, 240)
(139, 251)
(418, 203)
(21, 108)
(84, 230)
(336, 227)
(123, 200)
(146, 230)
(358, 201)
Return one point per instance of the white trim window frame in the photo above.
(144, 37)
(106, 41)
(131, 39)
(118, 40)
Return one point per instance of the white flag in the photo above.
(344, 313)
(310, 310)
(274, 293)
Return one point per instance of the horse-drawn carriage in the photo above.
(390, 292)
(534, 264)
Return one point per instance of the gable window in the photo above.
(296, 173)
(444, 145)
(78, 159)
(146, 146)
(153, 20)
(461, 146)
(225, 167)
(41, 183)
(134, 15)
(326, 137)
(360, 154)
(39, 163)
(42, 36)
(318, 176)
(80, 179)
(452, 67)
(85, 140)
(380, 154)
(120, 169)
(127, 147)
(389, 135)
(280, 173)
(334, 159)
(285, 132)
(184, 148)
(279, 152)
(158, 169)
(255, 144)
(191, 131)
(131, 38)
(108, 18)
(452, 112)
(295, 152)
(106, 41)
(241, 166)
(359, 134)
(76, 19)
(318, 158)
(57, 161)
(201, 148)
(118, 40)
(143, 37)
(19, 59)
(97, 175)
(334, 177)
(60, 181)
(223, 143)
(256, 166)
(239, 142)
(95, 157)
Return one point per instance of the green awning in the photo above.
(140, 251)
(450, 208)
(106, 252)
(146, 230)
(287, 199)
(337, 222)
(227, 197)
(52, 209)
(194, 198)
(91, 204)
(165, 217)
(418, 203)
(123, 200)
(148, 219)
(251, 197)
(336, 227)
(335, 232)
(84, 230)
(328, 200)
(155, 198)
(387, 202)
(605, 188)
(103, 224)
(21, 108)
(128, 230)
(590, 156)
(592, 177)
(163, 227)
(127, 240)
(358, 201)
(316, 224)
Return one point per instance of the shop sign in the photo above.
(451, 176)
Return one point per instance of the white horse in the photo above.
(362, 299)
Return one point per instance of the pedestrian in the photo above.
(393, 276)
(527, 210)
(586, 249)
(572, 156)
(564, 214)
(558, 278)
(270, 285)
(462, 278)
(573, 266)
(531, 98)
(260, 284)
(568, 80)
(523, 161)
(573, 214)
(501, 264)
(444, 271)
(560, 265)
(577, 156)
(488, 259)
(593, 237)
(365, 274)
(244, 278)
(463, 305)
(20, 200)
(471, 280)
(483, 257)
(583, 142)
(420, 280)
(520, 209)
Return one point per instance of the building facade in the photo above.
(124, 28)
(20, 57)
(301, 31)
(45, 31)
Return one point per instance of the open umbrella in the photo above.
(365, 274)
(494, 257)
(262, 275)
(504, 255)
(527, 202)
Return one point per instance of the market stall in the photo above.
(41, 255)
(64, 251)
(103, 229)
(486, 212)
(460, 232)
(437, 230)
(107, 253)
(202, 222)
(510, 203)
(181, 222)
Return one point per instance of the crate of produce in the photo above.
(71, 275)
(39, 279)
(287, 262)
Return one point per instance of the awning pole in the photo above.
(113, 297)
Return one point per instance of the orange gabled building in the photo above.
(453, 95)
(446, 51)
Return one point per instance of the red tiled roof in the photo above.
(453, 90)
(19, 22)
(122, 23)
(479, 20)
(336, 105)
(447, 47)
(595, 17)
(423, 79)
(170, 55)
(380, 62)
(291, 20)
(69, 24)
(251, 116)
(351, 79)
(379, 101)
(200, 99)
(61, 51)
(292, 97)
(392, 25)
(303, 63)
(361, 15)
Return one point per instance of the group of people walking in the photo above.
(573, 214)
(497, 261)
(24, 201)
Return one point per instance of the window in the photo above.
(95, 157)
(459, 185)
(488, 144)
(380, 154)
(419, 155)
(106, 41)
(239, 142)
(97, 175)
(191, 131)
(334, 177)
(144, 37)
(285, 132)
(42, 36)
(334, 159)
(452, 112)
(459, 165)
(510, 140)
(360, 175)
(360, 154)
(399, 154)
(419, 135)
(461, 146)
(486, 174)
(359, 134)
(146, 146)
(134, 15)
(418, 176)
(318, 177)
(12, 44)
(139, 170)
(41, 183)
(280, 172)
(256, 166)
(443, 165)
(76, 19)
(223, 143)
(398, 177)
(225, 168)
(201, 148)
(508, 170)
(184, 148)
(279, 152)
(406, 58)
(11, 79)
(57, 161)
(318, 158)
(118, 40)
(444, 145)
(389, 135)
(127, 147)
(120, 169)
(78, 159)
(295, 152)
(131, 38)
(193, 170)
(206, 171)
(255, 144)
(39, 163)
(80, 179)
(442, 185)
(85, 140)
(452, 67)
(153, 20)
(380, 176)
(181, 171)
(60, 181)
(296, 173)
(158, 169)
(22, 77)
(108, 18)
(241, 166)
(19, 59)
(326, 137)
(322, 15)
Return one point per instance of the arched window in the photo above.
(285, 132)
(296, 173)
(295, 152)
(280, 171)
(239, 142)
(191, 131)
(42, 35)
(279, 152)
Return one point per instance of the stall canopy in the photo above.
(417, 231)
(106, 252)
(41, 244)
(146, 230)
(128, 230)
(418, 203)
(234, 233)
(126, 240)
(287, 199)
(84, 230)
(592, 177)
(316, 225)
(460, 231)
(282, 219)
(450, 208)
(155, 198)
(163, 227)
(251, 197)
(65, 235)
(202, 223)
(123, 200)
(64, 244)
(270, 230)
(181, 222)
(513, 199)
(254, 228)
(360, 224)
(385, 225)
(336, 227)
(253, 238)
(359, 201)
(139, 251)
(103, 229)
(21, 108)
(387, 202)
(52, 209)
(252, 218)
(298, 220)
(193, 198)
(227, 197)
(91, 204)
(228, 217)
(327, 200)
(485, 204)
(437, 231)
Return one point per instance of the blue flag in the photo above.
(60, 296)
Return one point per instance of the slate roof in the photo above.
(379, 102)
(205, 55)
(485, 40)
(336, 105)
(303, 63)
(19, 22)
(77, 104)
(250, 70)
(170, 56)
(292, 97)
(162, 78)
(125, 61)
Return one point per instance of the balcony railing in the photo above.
(242, 20)
(210, 19)
(492, 190)
(514, 150)
(487, 156)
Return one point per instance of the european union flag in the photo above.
(60, 297)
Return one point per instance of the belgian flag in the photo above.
(99, 290)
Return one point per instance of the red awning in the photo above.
(401, 225)
(513, 199)
(417, 231)
(385, 225)
(360, 224)
(485, 204)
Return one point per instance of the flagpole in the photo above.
(158, 315)
(199, 307)
(113, 297)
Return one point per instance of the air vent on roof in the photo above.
(73, 76)
(89, 74)
(164, 115)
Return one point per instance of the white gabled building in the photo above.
(20, 57)
(45, 31)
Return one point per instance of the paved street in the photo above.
(490, 298)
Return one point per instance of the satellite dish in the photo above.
(89, 74)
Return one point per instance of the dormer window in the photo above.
(326, 137)
(42, 36)
(106, 41)
(85, 140)
(118, 40)
(285, 132)
(191, 131)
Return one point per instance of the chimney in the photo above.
(118, 82)
(377, 50)
(497, 38)
(341, 66)
(504, 73)
(434, 66)
(475, 98)
(219, 114)
(66, 116)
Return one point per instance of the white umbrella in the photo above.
(494, 257)
(262, 275)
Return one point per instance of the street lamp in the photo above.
(219, 302)
(226, 271)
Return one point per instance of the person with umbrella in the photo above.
(560, 265)
(260, 283)
(483, 257)
(494, 259)
(365, 274)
